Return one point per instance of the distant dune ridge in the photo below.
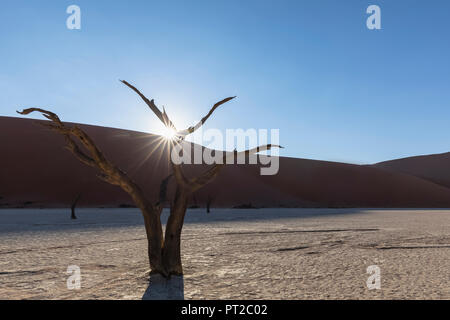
(36, 171)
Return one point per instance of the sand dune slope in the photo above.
(434, 167)
(36, 171)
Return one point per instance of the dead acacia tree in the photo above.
(208, 203)
(73, 206)
(163, 249)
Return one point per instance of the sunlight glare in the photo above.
(169, 133)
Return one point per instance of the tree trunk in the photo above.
(154, 241)
(172, 240)
(72, 215)
(74, 205)
(161, 288)
(208, 204)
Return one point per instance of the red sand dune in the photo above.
(435, 168)
(36, 171)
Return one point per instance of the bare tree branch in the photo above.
(58, 126)
(210, 174)
(73, 147)
(113, 175)
(163, 192)
(165, 118)
(190, 130)
(252, 151)
(108, 172)
(48, 114)
(151, 104)
(182, 181)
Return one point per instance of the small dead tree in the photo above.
(73, 206)
(209, 199)
(163, 248)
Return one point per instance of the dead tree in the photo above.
(163, 249)
(208, 204)
(73, 206)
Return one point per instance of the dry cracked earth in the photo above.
(230, 254)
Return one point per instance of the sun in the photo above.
(169, 133)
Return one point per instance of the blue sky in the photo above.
(336, 90)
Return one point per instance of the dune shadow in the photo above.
(39, 220)
(247, 215)
(160, 288)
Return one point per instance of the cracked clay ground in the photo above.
(231, 254)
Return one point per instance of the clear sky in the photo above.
(336, 90)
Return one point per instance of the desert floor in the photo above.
(230, 254)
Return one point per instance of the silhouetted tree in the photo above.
(163, 249)
(74, 205)
(208, 203)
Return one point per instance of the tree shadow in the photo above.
(160, 288)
